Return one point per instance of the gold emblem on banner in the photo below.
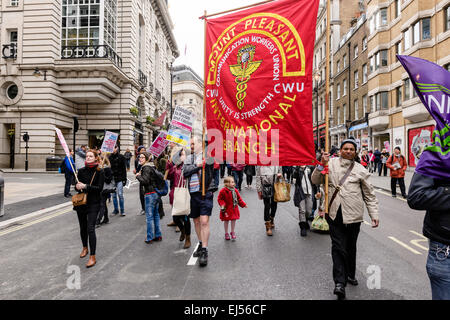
(243, 70)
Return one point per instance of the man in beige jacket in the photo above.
(346, 211)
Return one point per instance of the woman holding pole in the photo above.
(90, 180)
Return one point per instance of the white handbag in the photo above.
(181, 199)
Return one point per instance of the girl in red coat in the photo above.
(229, 200)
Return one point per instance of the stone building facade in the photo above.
(104, 62)
(350, 101)
(188, 92)
(419, 28)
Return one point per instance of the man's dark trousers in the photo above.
(343, 247)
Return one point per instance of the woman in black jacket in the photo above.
(91, 179)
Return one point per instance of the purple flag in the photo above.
(432, 84)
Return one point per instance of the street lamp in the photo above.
(316, 90)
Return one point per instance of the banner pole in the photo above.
(231, 10)
(204, 116)
(327, 107)
(73, 169)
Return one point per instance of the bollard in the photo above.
(2, 196)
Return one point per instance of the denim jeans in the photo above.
(152, 216)
(438, 269)
(216, 176)
(238, 176)
(119, 190)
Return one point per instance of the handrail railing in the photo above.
(142, 78)
(89, 52)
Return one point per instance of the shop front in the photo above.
(361, 133)
(320, 136)
(338, 134)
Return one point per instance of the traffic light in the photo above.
(26, 137)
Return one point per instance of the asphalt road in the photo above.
(38, 258)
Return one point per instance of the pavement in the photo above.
(384, 182)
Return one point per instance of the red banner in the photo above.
(159, 122)
(258, 78)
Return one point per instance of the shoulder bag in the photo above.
(181, 198)
(80, 199)
(341, 182)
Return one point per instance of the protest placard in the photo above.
(63, 141)
(109, 141)
(181, 126)
(159, 144)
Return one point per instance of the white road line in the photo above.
(404, 245)
(192, 261)
(9, 230)
(416, 241)
(388, 194)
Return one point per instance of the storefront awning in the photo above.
(359, 127)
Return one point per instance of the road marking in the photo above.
(404, 245)
(193, 260)
(388, 194)
(415, 241)
(28, 224)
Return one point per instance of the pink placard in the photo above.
(159, 144)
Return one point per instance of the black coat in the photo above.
(118, 167)
(377, 155)
(147, 178)
(432, 195)
(250, 170)
(93, 190)
(298, 175)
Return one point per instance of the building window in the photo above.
(416, 32)
(447, 18)
(381, 100)
(398, 49)
(355, 51)
(364, 43)
(344, 58)
(191, 101)
(378, 60)
(426, 33)
(81, 24)
(356, 109)
(406, 90)
(383, 17)
(364, 100)
(398, 96)
(344, 90)
(13, 37)
(407, 39)
(372, 103)
(397, 8)
(355, 77)
(338, 92)
(338, 112)
(14, 3)
(345, 112)
(364, 70)
(338, 66)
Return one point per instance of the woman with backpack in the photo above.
(148, 177)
